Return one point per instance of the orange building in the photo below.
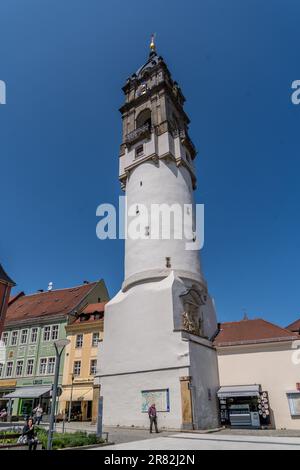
(5, 287)
(80, 367)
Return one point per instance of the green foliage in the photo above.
(7, 439)
(68, 439)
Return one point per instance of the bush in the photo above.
(68, 439)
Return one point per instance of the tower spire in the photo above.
(152, 43)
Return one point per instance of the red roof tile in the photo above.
(251, 331)
(14, 297)
(295, 326)
(55, 302)
(94, 308)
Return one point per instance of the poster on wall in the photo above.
(159, 397)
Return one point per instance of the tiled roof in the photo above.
(55, 302)
(5, 278)
(251, 331)
(295, 326)
(95, 308)
(14, 297)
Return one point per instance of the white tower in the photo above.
(158, 329)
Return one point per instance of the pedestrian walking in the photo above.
(38, 414)
(152, 413)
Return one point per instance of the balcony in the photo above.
(137, 134)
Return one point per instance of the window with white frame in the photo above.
(34, 335)
(19, 368)
(95, 339)
(51, 365)
(54, 332)
(29, 368)
(79, 341)
(14, 338)
(47, 332)
(43, 366)
(5, 338)
(93, 367)
(77, 368)
(9, 368)
(1, 368)
(24, 336)
(294, 403)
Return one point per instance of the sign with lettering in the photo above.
(160, 398)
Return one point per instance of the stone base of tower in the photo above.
(146, 354)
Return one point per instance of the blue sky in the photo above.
(64, 63)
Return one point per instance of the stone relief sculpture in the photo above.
(192, 320)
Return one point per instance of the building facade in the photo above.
(79, 391)
(6, 283)
(33, 323)
(157, 344)
(259, 372)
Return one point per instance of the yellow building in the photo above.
(81, 364)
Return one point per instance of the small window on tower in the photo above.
(139, 151)
(168, 262)
(141, 183)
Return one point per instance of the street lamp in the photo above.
(71, 396)
(59, 346)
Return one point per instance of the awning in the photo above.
(78, 394)
(239, 391)
(29, 392)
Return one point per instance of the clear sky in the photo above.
(64, 63)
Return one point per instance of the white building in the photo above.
(259, 374)
(159, 328)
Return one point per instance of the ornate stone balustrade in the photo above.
(137, 134)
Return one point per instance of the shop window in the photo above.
(294, 403)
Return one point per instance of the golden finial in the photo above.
(152, 44)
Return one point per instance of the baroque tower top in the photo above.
(154, 106)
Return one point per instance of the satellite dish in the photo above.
(50, 286)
